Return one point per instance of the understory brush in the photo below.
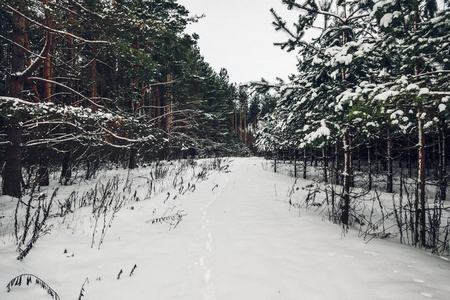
(34, 215)
(373, 212)
(99, 201)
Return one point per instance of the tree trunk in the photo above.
(325, 164)
(47, 71)
(347, 179)
(43, 174)
(442, 162)
(336, 164)
(245, 126)
(305, 163)
(12, 173)
(389, 183)
(240, 122)
(420, 201)
(132, 161)
(275, 161)
(66, 171)
(295, 163)
(94, 74)
(369, 162)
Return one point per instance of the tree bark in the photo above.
(325, 164)
(442, 162)
(420, 201)
(43, 174)
(66, 171)
(12, 173)
(389, 183)
(369, 162)
(347, 179)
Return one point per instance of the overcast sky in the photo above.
(238, 35)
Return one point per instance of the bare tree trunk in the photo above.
(347, 179)
(305, 163)
(44, 160)
(275, 161)
(369, 162)
(66, 171)
(336, 164)
(420, 201)
(240, 122)
(132, 164)
(245, 126)
(295, 163)
(325, 164)
(442, 161)
(12, 173)
(94, 72)
(389, 183)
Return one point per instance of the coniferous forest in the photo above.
(93, 84)
(86, 83)
(124, 154)
(369, 106)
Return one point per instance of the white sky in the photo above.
(238, 35)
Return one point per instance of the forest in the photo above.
(369, 107)
(89, 83)
(125, 163)
(92, 84)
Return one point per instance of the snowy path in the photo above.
(256, 249)
(239, 241)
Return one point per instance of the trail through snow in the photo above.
(239, 240)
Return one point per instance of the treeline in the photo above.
(85, 82)
(371, 95)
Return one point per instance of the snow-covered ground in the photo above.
(237, 238)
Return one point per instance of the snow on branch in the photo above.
(68, 88)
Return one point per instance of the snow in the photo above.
(239, 239)
(424, 91)
(386, 20)
(380, 4)
(386, 95)
(398, 112)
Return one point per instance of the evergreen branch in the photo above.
(316, 10)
